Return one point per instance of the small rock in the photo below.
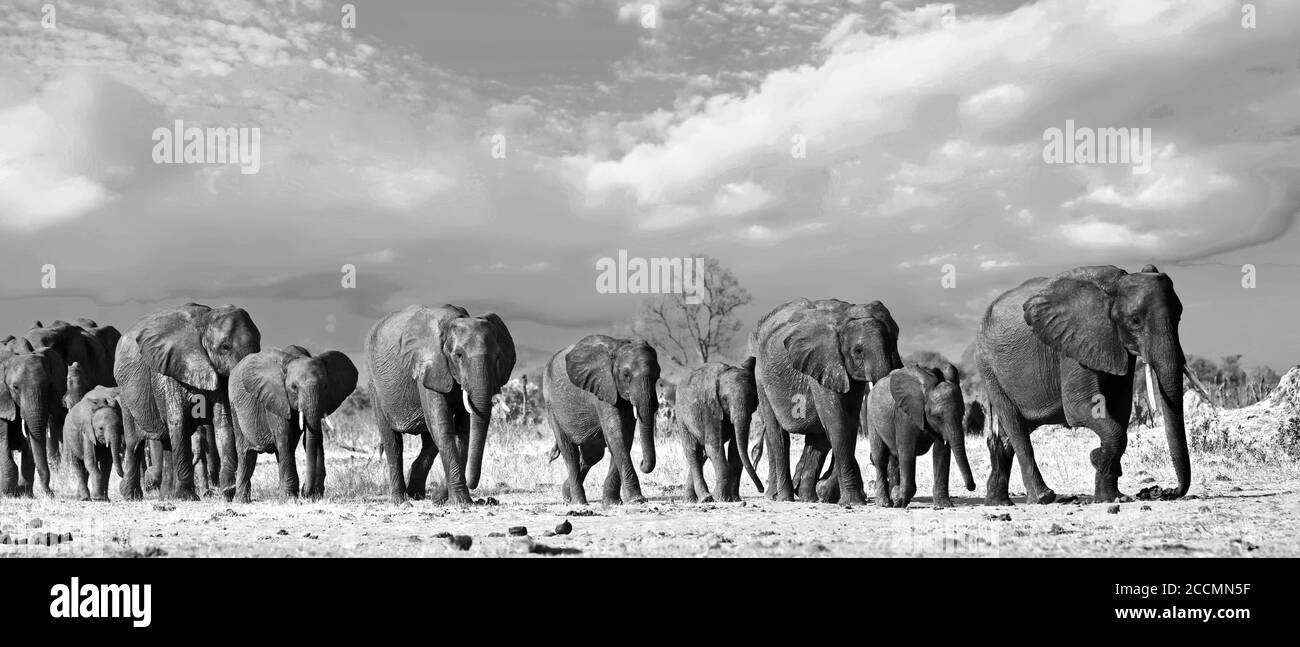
(308, 535)
(564, 528)
(461, 542)
(815, 548)
(1005, 516)
(492, 501)
(1113, 509)
(518, 531)
(164, 507)
(35, 523)
(1068, 498)
(1204, 508)
(581, 513)
(496, 534)
(1145, 508)
(1057, 530)
(1235, 489)
(442, 535)
(1222, 477)
(282, 532)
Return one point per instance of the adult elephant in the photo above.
(172, 368)
(433, 372)
(278, 395)
(599, 392)
(1061, 351)
(35, 381)
(76, 345)
(815, 360)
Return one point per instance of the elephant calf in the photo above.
(277, 395)
(94, 439)
(907, 411)
(715, 405)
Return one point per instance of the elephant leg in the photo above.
(105, 468)
(717, 455)
(27, 478)
(1036, 490)
(417, 481)
(815, 449)
(880, 459)
(40, 459)
(940, 461)
(1105, 459)
(180, 429)
(588, 455)
(153, 478)
(735, 467)
(696, 489)
(83, 476)
(166, 472)
(621, 483)
(906, 474)
(246, 462)
(390, 444)
(828, 486)
(286, 448)
(8, 469)
(777, 441)
(571, 491)
(214, 465)
(133, 459)
(200, 461)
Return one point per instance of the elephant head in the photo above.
(197, 345)
(476, 353)
(106, 421)
(738, 396)
(284, 381)
(35, 381)
(931, 400)
(850, 342)
(1102, 316)
(620, 371)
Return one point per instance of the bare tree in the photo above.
(694, 333)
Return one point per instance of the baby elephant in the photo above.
(907, 411)
(93, 440)
(277, 395)
(715, 404)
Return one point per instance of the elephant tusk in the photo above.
(464, 399)
(634, 414)
(1151, 392)
(328, 424)
(300, 419)
(23, 421)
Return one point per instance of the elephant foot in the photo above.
(100, 499)
(943, 502)
(998, 500)
(782, 492)
(828, 491)
(416, 493)
(636, 499)
(46, 492)
(902, 503)
(459, 497)
(132, 495)
(84, 498)
(856, 499)
(1041, 498)
(397, 498)
(608, 500)
(708, 498)
(186, 495)
(730, 498)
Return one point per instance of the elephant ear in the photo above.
(1072, 316)
(908, 390)
(262, 375)
(172, 345)
(342, 379)
(57, 371)
(421, 349)
(8, 408)
(296, 351)
(814, 349)
(506, 359)
(590, 366)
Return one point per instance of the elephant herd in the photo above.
(192, 386)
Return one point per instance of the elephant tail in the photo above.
(975, 419)
(756, 454)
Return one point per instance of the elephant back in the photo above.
(393, 346)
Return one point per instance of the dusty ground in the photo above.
(1237, 509)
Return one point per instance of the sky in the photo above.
(921, 128)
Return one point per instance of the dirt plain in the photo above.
(1235, 508)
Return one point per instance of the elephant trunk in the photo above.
(115, 446)
(957, 443)
(1169, 368)
(36, 417)
(478, 401)
(741, 418)
(645, 423)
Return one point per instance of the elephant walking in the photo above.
(34, 384)
(598, 392)
(815, 361)
(95, 438)
(433, 372)
(84, 344)
(1061, 350)
(172, 368)
(715, 405)
(278, 395)
(909, 410)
